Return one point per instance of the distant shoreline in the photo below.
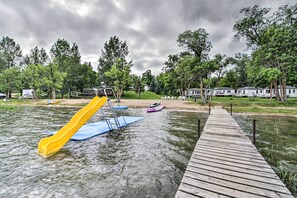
(176, 105)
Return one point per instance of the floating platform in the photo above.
(98, 128)
(120, 107)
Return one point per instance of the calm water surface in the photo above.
(147, 159)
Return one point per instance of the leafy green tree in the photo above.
(196, 42)
(67, 58)
(87, 77)
(170, 63)
(186, 76)
(222, 62)
(167, 79)
(271, 75)
(119, 73)
(229, 80)
(10, 53)
(113, 50)
(10, 80)
(252, 25)
(137, 84)
(34, 76)
(147, 77)
(54, 78)
(274, 41)
(36, 57)
(240, 61)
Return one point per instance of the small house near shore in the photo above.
(223, 91)
(246, 92)
(193, 92)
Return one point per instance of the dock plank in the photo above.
(225, 163)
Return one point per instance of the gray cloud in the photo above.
(149, 27)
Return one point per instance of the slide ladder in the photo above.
(110, 115)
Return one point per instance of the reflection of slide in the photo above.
(50, 145)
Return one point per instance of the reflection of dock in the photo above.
(225, 163)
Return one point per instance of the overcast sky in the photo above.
(149, 27)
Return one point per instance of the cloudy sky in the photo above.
(150, 27)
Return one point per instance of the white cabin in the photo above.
(223, 91)
(247, 92)
(193, 92)
(28, 93)
(291, 92)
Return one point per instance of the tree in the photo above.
(229, 80)
(196, 42)
(36, 57)
(274, 41)
(66, 57)
(147, 77)
(137, 84)
(54, 79)
(240, 61)
(221, 61)
(10, 53)
(119, 73)
(271, 75)
(34, 76)
(87, 76)
(252, 25)
(186, 76)
(170, 63)
(113, 50)
(10, 80)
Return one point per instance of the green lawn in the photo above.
(147, 95)
(256, 105)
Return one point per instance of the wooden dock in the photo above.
(225, 163)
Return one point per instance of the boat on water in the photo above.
(155, 107)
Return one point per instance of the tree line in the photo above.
(271, 38)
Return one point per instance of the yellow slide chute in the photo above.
(50, 145)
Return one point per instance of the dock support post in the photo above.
(199, 131)
(208, 108)
(231, 110)
(254, 131)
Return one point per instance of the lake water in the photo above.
(147, 159)
(277, 141)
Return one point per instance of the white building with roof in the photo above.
(246, 92)
(223, 91)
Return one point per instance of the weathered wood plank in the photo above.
(234, 168)
(207, 156)
(236, 165)
(234, 179)
(230, 156)
(199, 192)
(227, 150)
(238, 174)
(235, 186)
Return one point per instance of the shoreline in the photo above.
(178, 105)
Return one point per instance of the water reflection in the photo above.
(146, 159)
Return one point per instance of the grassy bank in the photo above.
(147, 95)
(253, 105)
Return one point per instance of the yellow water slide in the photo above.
(50, 145)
